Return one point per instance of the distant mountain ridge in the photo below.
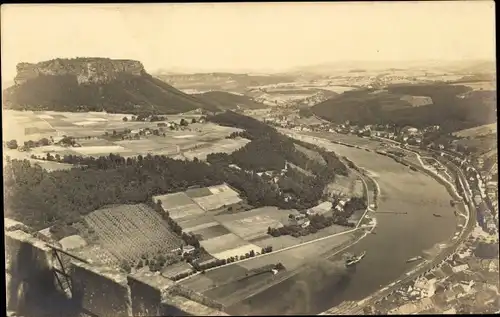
(95, 84)
(453, 107)
(226, 100)
(238, 82)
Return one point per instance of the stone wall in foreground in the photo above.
(32, 286)
(101, 290)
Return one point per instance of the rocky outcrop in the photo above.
(95, 84)
(86, 70)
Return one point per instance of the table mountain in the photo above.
(95, 84)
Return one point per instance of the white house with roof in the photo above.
(188, 249)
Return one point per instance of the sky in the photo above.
(260, 37)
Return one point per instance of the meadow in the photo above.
(90, 129)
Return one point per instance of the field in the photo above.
(211, 232)
(219, 146)
(195, 202)
(343, 185)
(477, 131)
(130, 231)
(252, 227)
(195, 140)
(482, 85)
(417, 101)
(313, 155)
(171, 271)
(254, 223)
(234, 234)
(482, 144)
(219, 245)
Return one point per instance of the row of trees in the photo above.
(65, 141)
(188, 238)
(183, 275)
(231, 259)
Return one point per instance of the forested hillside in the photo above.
(454, 107)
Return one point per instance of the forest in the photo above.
(454, 107)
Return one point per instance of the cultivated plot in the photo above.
(130, 231)
(223, 243)
(52, 166)
(252, 227)
(277, 243)
(94, 142)
(211, 232)
(198, 192)
(173, 200)
(199, 283)
(313, 155)
(202, 226)
(170, 271)
(186, 211)
(222, 195)
(213, 202)
(280, 215)
(193, 223)
(103, 150)
(239, 251)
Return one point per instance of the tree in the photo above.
(125, 119)
(193, 120)
(183, 122)
(126, 266)
(12, 144)
(43, 142)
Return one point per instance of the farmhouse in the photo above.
(304, 223)
(410, 130)
(189, 249)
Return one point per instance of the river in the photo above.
(398, 237)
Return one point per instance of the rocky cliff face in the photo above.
(95, 84)
(86, 70)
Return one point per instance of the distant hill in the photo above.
(222, 81)
(95, 84)
(226, 100)
(454, 107)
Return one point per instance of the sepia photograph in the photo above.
(250, 159)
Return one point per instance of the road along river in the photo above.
(398, 237)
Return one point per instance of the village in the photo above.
(465, 284)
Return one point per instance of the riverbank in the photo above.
(454, 193)
(413, 192)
